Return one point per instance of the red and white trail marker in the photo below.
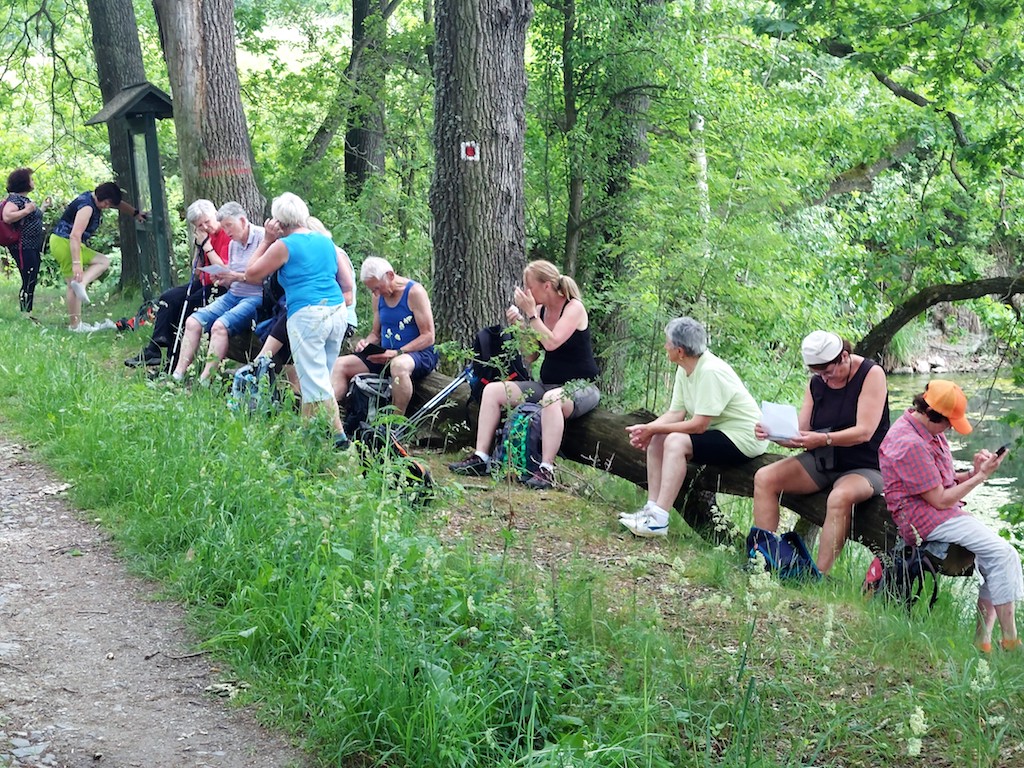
(470, 151)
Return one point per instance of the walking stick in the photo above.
(172, 358)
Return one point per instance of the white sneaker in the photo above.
(634, 516)
(647, 526)
(79, 291)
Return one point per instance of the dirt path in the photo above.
(93, 671)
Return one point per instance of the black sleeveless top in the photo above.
(836, 409)
(574, 359)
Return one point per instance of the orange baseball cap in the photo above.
(947, 398)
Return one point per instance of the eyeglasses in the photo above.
(828, 370)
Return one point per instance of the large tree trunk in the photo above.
(480, 233)
(364, 139)
(198, 38)
(115, 42)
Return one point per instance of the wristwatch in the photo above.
(828, 439)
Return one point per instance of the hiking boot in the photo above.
(79, 290)
(472, 465)
(646, 527)
(540, 480)
(144, 358)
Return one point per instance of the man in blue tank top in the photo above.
(401, 341)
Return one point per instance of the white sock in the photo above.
(177, 376)
(657, 513)
(547, 465)
(484, 456)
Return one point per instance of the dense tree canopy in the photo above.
(766, 168)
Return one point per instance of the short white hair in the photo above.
(374, 267)
(290, 210)
(199, 209)
(231, 210)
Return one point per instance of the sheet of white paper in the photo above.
(779, 421)
(214, 269)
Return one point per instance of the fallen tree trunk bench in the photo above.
(599, 439)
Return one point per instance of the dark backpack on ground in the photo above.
(495, 358)
(518, 448)
(899, 576)
(10, 234)
(785, 555)
(367, 394)
(378, 443)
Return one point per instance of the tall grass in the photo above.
(377, 640)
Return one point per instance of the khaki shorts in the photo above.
(60, 249)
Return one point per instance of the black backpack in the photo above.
(900, 575)
(367, 393)
(495, 358)
(519, 446)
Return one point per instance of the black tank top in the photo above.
(836, 409)
(574, 359)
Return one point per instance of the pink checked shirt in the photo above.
(913, 461)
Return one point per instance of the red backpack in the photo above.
(10, 234)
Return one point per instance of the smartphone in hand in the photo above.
(1002, 449)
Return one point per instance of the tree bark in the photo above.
(480, 233)
(115, 42)
(198, 39)
(364, 139)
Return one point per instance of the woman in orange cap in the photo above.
(925, 495)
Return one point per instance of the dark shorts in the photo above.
(713, 447)
(584, 394)
(424, 361)
(826, 479)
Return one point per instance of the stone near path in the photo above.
(93, 670)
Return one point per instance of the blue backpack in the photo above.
(519, 446)
(786, 555)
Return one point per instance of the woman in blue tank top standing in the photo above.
(306, 266)
(550, 307)
(844, 416)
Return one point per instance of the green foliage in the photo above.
(360, 623)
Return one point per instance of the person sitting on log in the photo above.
(401, 339)
(925, 494)
(177, 304)
(235, 311)
(550, 307)
(844, 416)
(710, 421)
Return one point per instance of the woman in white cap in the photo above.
(844, 416)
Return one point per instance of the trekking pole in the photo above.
(184, 307)
(414, 421)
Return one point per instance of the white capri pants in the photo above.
(315, 334)
(996, 559)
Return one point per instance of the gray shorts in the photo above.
(826, 479)
(584, 394)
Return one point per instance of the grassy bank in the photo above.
(495, 627)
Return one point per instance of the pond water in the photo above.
(989, 398)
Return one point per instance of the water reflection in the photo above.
(988, 400)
